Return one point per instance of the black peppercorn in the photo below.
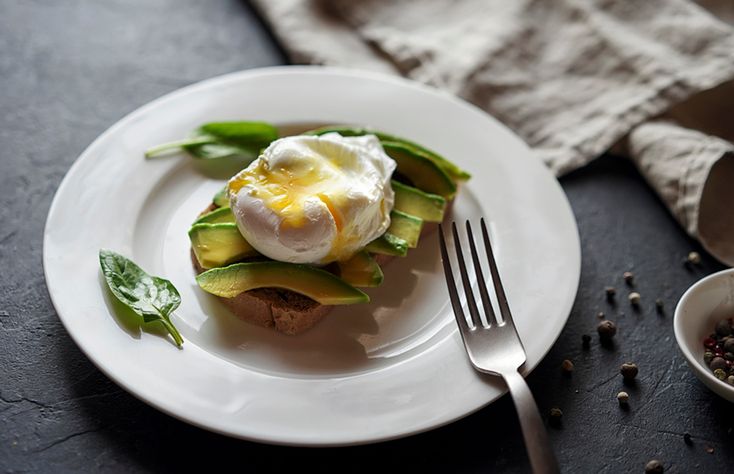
(723, 328)
(629, 370)
(606, 329)
(718, 363)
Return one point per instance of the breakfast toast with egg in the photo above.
(292, 281)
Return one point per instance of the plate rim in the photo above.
(328, 70)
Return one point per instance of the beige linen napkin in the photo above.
(571, 77)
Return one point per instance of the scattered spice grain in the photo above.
(629, 370)
(629, 277)
(654, 467)
(606, 329)
(634, 298)
(694, 258)
(555, 416)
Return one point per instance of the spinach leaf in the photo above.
(223, 140)
(153, 298)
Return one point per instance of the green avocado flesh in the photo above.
(216, 245)
(221, 199)
(450, 168)
(388, 244)
(361, 270)
(217, 216)
(420, 170)
(315, 283)
(406, 227)
(429, 207)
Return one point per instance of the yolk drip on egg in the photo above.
(326, 173)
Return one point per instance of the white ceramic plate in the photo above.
(373, 372)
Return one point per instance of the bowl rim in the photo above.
(703, 372)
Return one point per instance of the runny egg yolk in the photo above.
(311, 199)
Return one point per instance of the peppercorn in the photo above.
(610, 291)
(687, 439)
(718, 363)
(606, 329)
(623, 398)
(723, 328)
(730, 380)
(586, 341)
(694, 258)
(628, 277)
(708, 356)
(555, 417)
(634, 298)
(629, 370)
(567, 366)
(710, 449)
(659, 305)
(729, 344)
(600, 315)
(654, 467)
(720, 374)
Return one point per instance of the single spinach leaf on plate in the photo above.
(153, 298)
(216, 140)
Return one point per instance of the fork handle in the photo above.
(542, 459)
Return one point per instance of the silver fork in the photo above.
(496, 349)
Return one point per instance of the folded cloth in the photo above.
(571, 77)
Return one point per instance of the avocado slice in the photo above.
(217, 216)
(406, 227)
(429, 207)
(216, 245)
(221, 199)
(361, 270)
(420, 170)
(450, 168)
(388, 244)
(313, 282)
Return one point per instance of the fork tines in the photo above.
(491, 317)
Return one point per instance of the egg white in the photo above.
(314, 199)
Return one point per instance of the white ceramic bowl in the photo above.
(696, 315)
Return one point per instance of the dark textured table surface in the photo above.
(69, 70)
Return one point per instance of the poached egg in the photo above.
(314, 199)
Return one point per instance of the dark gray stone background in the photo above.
(70, 69)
